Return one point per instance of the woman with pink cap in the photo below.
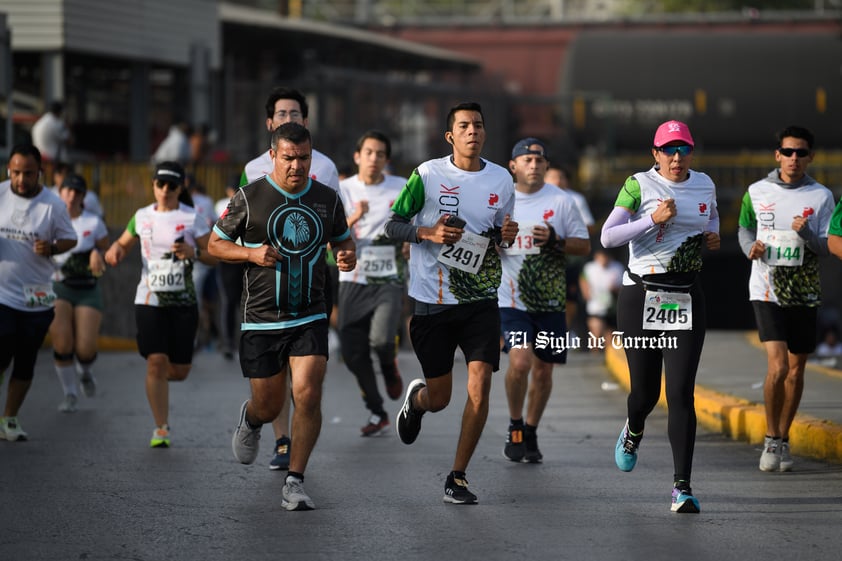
(666, 215)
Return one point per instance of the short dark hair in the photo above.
(56, 107)
(291, 132)
(376, 135)
(26, 150)
(796, 132)
(464, 106)
(285, 93)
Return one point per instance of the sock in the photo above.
(635, 437)
(530, 428)
(296, 475)
(516, 422)
(67, 377)
(682, 485)
(457, 474)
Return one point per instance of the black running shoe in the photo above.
(456, 491)
(408, 421)
(533, 454)
(514, 449)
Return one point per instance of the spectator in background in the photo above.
(204, 276)
(830, 344)
(51, 135)
(176, 146)
(600, 283)
(199, 145)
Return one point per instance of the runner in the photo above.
(666, 215)
(172, 236)
(78, 305)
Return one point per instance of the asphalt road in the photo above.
(86, 486)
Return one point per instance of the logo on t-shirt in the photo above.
(808, 211)
(493, 198)
(548, 214)
(703, 207)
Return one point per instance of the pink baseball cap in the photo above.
(671, 131)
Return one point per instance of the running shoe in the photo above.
(294, 497)
(160, 437)
(11, 430)
(394, 383)
(625, 452)
(246, 440)
(408, 422)
(281, 458)
(514, 449)
(786, 457)
(376, 425)
(456, 491)
(533, 454)
(68, 404)
(683, 501)
(770, 459)
(88, 383)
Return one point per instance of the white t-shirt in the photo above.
(603, 282)
(537, 282)
(25, 278)
(369, 230)
(482, 198)
(89, 229)
(49, 135)
(322, 169)
(157, 232)
(582, 205)
(768, 206)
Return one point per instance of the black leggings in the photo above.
(679, 363)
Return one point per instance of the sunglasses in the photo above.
(166, 185)
(683, 150)
(800, 152)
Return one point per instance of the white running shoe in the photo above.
(246, 440)
(294, 497)
(68, 404)
(11, 430)
(770, 459)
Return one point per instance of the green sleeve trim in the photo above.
(243, 179)
(131, 227)
(836, 221)
(629, 196)
(748, 219)
(410, 201)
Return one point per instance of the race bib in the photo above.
(38, 295)
(165, 275)
(667, 311)
(784, 248)
(524, 243)
(466, 254)
(378, 261)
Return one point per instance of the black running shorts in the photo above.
(794, 324)
(266, 353)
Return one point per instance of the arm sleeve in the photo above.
(617, 229)
(398, 228)
(746, 237)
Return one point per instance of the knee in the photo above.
(308, 399)
(178, 373)
(542, 380)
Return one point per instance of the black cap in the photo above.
(525, 146)
(169, 172)
(75, 182)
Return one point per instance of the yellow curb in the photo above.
(741, 419)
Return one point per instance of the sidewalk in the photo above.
(729, 395)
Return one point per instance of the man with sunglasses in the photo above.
(784, 222)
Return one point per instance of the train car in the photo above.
(734, 87)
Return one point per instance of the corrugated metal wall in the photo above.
(153, 30)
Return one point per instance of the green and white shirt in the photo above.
(770, 205)
(536, 282)
(164, 279)
(675, 246)
(482, 198)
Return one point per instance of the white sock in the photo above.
(67, 377)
